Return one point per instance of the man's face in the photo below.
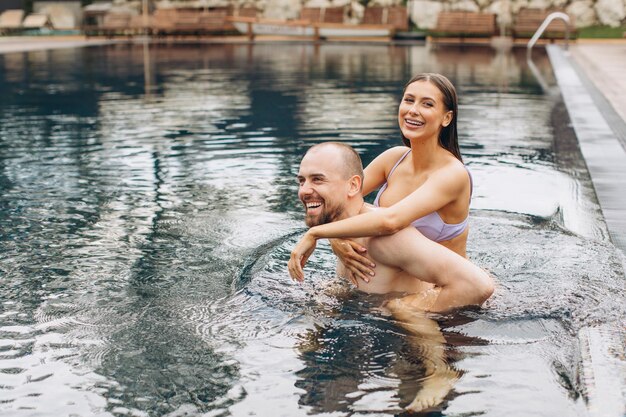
(323, 190)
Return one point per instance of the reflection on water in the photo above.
(148, 206)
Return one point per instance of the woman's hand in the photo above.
(351, 256)
(299, 255)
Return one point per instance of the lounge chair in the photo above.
(395, 16)
(93, 17)
(36, 21)
(115, 24)
(398, 17)
(163, 21)
(173, 22)
(11, 20)
(465, 25)
(139, 24)
(322, 14)
(528, 21)
(187, 22)
(237, 13)
(245, 12)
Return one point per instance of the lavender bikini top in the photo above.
(431, 225)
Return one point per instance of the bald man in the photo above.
(330, 178)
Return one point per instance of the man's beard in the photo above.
(328, 216)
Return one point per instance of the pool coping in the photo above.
(599, 130)
(11, 44)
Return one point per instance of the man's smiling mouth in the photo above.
(312, 207)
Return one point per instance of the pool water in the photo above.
(148, 207)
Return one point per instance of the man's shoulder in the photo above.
(367, 207)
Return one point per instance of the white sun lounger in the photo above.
(11, 19)
(36, 21)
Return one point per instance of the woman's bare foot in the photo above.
(434, 390)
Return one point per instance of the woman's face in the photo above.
(422, 113)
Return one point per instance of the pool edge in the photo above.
(602, 366)
(601, 148)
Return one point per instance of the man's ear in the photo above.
(355, 183)
(447, 118)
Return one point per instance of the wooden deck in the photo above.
(170, 22)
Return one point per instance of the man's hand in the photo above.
(299, 255)
(351, 256)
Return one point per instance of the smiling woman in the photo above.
(426, 186)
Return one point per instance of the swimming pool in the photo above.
(148, 207)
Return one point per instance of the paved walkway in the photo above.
(605, 65)
(10, 44)
(592, 82)
(597, 107)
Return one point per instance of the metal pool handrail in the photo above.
(544, 25)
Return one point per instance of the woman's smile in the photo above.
(422, 110)
(413, 123)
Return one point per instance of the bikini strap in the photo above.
(384, 186)
(471, 181)
(398, 163)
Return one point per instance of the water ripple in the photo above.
(148, 211)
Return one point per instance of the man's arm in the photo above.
(461, 282)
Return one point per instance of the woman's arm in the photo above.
(350, 253)
(440, 189)
(352, 256)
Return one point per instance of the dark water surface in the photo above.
(148, 206)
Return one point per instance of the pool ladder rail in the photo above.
(552, 16)
(542, 28)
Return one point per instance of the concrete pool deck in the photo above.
(604, 64)
(592, 81)
(10, 44)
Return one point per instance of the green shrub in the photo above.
(602, 32)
